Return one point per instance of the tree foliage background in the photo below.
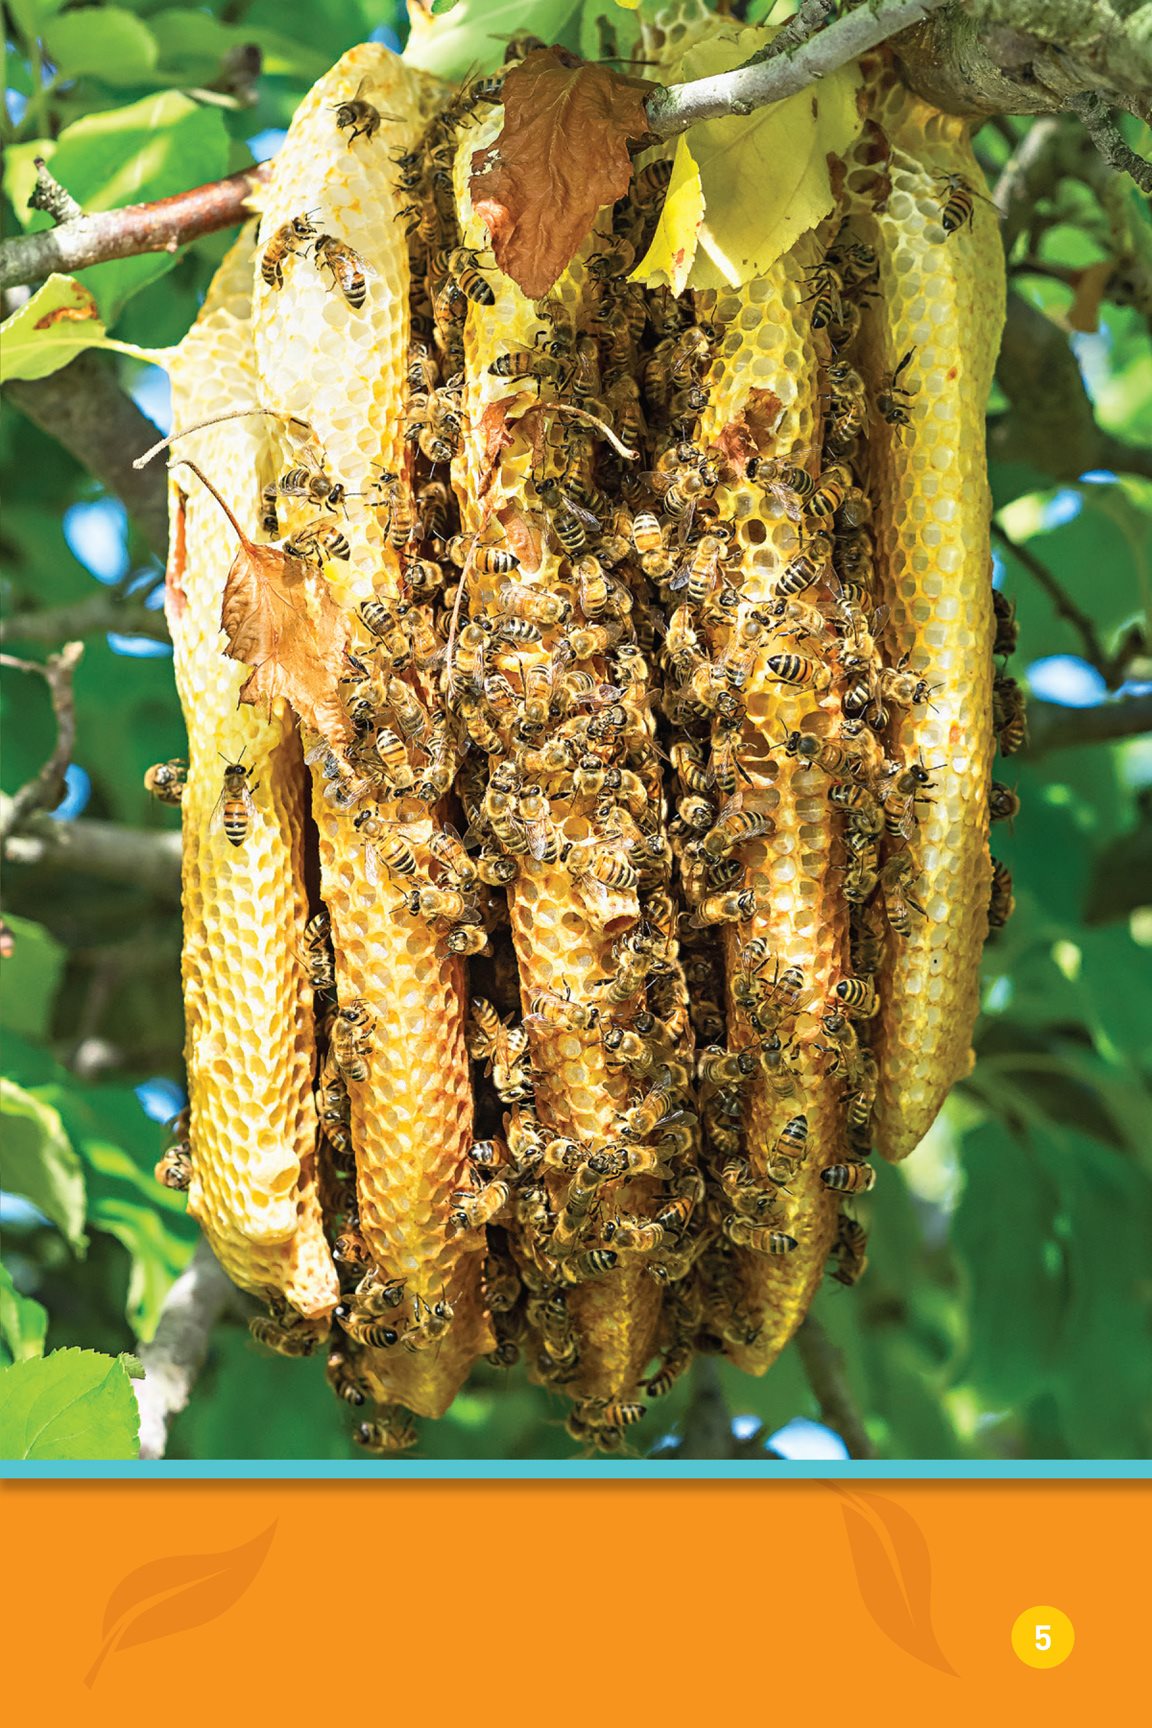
(1007, 1308)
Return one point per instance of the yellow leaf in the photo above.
(669, 258)
(765, 176)
(629, 5)
(54, 325)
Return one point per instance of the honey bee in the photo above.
(1001, 900)
(807, 567)
(905, 689)
(234, 807)
(313, 485)
(848, 416)
(831, 490)
(166, 780)
(384, 845)
(957, 203)
(344, 1381)
(349, 271)
(592, 1263)
(759, 1238)
(645, 1119)
(319, 540)
(174, 1168)
(889, 405)
(393, 495)
(849, 1178)
(857, 997)
(393, 1432)
(285, 1331)
(849, 1251)
(1009, 715)
(1003, 803)
(737, 824)
(269, 515)
(1007, 630)
(536, 605)
(792, 1142)
(352, 1039)
(465, 277)
(357, 117)
(473, 1211)
(395, 767)
(798, 672)
(552, 1011)
(287, 240)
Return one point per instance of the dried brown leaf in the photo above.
(561, 155)
(281, 620)
(523, 535)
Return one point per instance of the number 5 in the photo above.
(1043, 1637)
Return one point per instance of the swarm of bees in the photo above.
(621, 738)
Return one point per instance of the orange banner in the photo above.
(502, 1603)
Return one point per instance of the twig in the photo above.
(45, 791)
(50, 196)
(217, 420)
(1032, 171)
(1053, 727)
(770, 76)
(94, 617)
(84, 408)
(605, 430)
(179, 1348)
(137, 857)
(1095, 116)
(163, 226)
(810, 17)
(824, 1370)
(1064, 606)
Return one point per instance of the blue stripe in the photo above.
(584, 1470)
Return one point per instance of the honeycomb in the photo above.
(249, 1044)
(930, 487)
(653, 854)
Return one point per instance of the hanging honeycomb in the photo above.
(650, 836)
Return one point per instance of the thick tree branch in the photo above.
(1052, 727)
(824, 1370)
(1051, 425)
(984, 57)
(179, 1349)
(707, 1422)
(46, 790)
(134, 857)
(164, 226)
(84, 408)
(776, 73)
(104, 612)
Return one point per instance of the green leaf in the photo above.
(30, 15)
(191, 43)
(148, 149)
(72, 1404)
(29, 978)
(23, 1321)
(55, 324)
(1004, 1232)
(472, 38)
(39, 1162)
(106, 43)
(118, 1146)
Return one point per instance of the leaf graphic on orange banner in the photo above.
(177, 1593)
(894, 1571)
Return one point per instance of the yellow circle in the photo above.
(1043, 1637)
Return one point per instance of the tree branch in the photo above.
(985, 57)
(134, 857)
(179, 1349)
(84, 408)
(163, 226)
(781, 69)
(104, 612)
(48, 787)
(824, 1370)
(707, 1422)
(1052, 727)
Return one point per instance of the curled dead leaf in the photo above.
(561, 155)
(752, 432)
(1088, 292)
(523, 535)
(281, 620)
